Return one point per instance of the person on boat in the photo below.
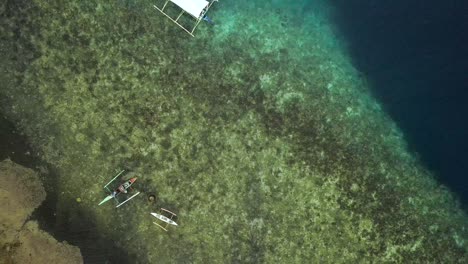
(207, 19)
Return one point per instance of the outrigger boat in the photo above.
(122, 188)
(165, 219)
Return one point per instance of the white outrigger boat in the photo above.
(122, 188)
(165, 219)
(197, 9)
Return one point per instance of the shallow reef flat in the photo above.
(258, 133)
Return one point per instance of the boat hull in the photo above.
(164, 219)
(106, 199)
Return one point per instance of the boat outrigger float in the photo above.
(122, 188)
(168, 220)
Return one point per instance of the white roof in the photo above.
(193, 7)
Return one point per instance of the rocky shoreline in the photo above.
(21, 239)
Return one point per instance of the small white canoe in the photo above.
(164, 219)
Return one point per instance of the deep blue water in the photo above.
(415, 55)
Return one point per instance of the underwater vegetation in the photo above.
(258, 133)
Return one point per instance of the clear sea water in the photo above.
(413, 55)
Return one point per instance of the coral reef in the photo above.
(21, 192)
(258, 133)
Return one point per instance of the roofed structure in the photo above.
(195, 8)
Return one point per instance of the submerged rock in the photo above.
(21, 192)
(37, 246)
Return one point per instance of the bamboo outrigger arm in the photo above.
(196, 8)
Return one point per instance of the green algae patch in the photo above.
(258, 134)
